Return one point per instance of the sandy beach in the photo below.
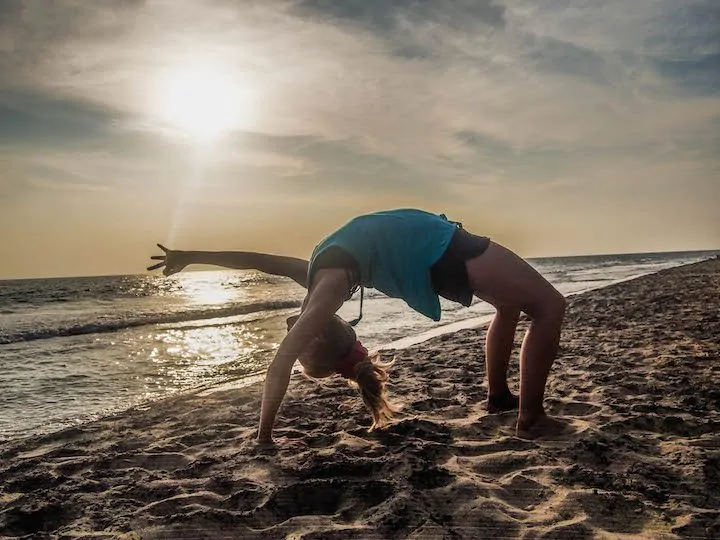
(637, 378)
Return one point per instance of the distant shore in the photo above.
(637, 377)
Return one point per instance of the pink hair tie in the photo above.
(346, 365)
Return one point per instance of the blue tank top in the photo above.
(395, 250)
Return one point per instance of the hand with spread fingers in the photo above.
(173, 261)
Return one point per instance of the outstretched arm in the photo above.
(328, 294)
(174, 261)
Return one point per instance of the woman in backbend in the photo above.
(416, 256)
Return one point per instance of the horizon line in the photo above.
(715, 251)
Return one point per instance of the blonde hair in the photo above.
(369, 376)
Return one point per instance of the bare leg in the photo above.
(538, 351)
(498, 347)
(504, 279)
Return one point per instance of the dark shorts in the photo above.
(449, 275)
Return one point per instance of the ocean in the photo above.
(75, 349)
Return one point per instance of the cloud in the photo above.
(396, 78)
(34, 33)
(508, 106)
(387, 17)
(32, 116)
(699, 75)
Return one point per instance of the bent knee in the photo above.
(554, 306)
(550, 306)
(510, 313)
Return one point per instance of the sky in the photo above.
(554, 127)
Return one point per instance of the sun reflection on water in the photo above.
(215, 344)
(191, 356)
(209, 289)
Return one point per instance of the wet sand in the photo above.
(637, 379)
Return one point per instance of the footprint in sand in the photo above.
(554, 429)
(430, 477)
(319, 440)
(612, 512)
(33, 518)
(321, 497)
(523, 492)
(558, 407)
(148, 492)
(433, 404)
(483, 448)
(659, 424)
(150, 462)
(181, 503)
(491, 425)
(47, 450)
(575, 528)
(500, 463)
(419, 429)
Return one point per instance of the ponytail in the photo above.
(370, 378)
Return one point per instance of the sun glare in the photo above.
(200, 101)
(207, 288)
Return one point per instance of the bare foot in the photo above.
(542, 426)
(502, 402)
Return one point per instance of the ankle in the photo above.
(530, 416)
(497, 403)
(498, 390)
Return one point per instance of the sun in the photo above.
(202, 102)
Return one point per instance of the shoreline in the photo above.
(394, 346)
(636, 378)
